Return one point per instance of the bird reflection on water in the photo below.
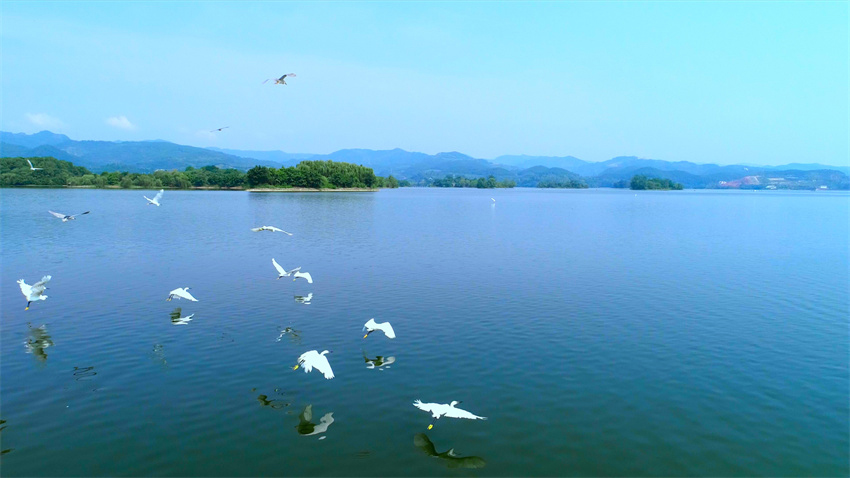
(304, 299)
(178, 319)
(293, 334)
(378, 362)
(451, 460)
(37, 341)
(306, 426)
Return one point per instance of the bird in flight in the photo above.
(438, 410)
(34, 292)
(33, 168)
(280, 270)
(181, 294)
(315, 359)
(269, 228)
(219, 129)
(155, 200)
(384, 327)
(65, 217)
(281, 80)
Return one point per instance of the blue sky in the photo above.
(721, 82)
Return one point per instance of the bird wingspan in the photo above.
(25, 288)
(60, 216)
(458, 413)
(280, 270)
(44, 280)
(184, 294)
(322, 365)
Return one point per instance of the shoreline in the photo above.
(311, 190)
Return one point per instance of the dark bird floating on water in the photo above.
(219, 129)
(281, 80)
(66, 217)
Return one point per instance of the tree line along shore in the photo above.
(308, 175)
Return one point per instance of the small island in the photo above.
(640, 182)
(306, 176)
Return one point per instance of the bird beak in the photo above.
(28, 308)
(365, 336)
(295, 367)
(430, 426)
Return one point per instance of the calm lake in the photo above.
(602, 332)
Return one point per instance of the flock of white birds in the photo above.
(308, 360)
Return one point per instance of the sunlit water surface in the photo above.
(601, 332)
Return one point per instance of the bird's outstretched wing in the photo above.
(289, 74)
(25, 288)
(280, 270)
(81, 214)
(264, 82)
(44, 280)
(305, 275)
(183, 294)
(322, 365)
(388, 329)
(158, 195)
(60, 216)
(428, 407)
(30, 163)
(458, 413)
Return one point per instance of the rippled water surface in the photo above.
(601, 332)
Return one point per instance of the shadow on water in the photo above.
(378, 362)
(37, 341)
(294, 335)
(306, 426)
(2, 427)
(449, 457)
(275, 403)
(178, 319)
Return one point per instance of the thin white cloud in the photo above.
(120, 122)
(44, 120)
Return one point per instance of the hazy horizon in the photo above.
(724, 83)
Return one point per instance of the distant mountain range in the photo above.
(148, 156)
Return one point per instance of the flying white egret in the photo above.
(269, 228)
(181, 294)
(384, 327)
(33, 168)
(438, 410)
(155, 200)
(281, 80)
(34, 292)
(280, 270)
(66, 217)
(303, 275)
(311, 359)
(304, 299)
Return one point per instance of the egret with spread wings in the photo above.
(269, 228)
(181, 294)
(66, 217)
(281, 80)
(34, 292)
(155, 200)
(384, 327)
(33, 168)
(314, 359)
(438, 410)
(281, 272)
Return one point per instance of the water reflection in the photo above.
(274, 403)
(178, 319)
(83, 373)
(306, 426)
(378, 362)
(37, 341)
(158, 354)
(294, 335)
(449, 457)
(304, 299)
(2, 427)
